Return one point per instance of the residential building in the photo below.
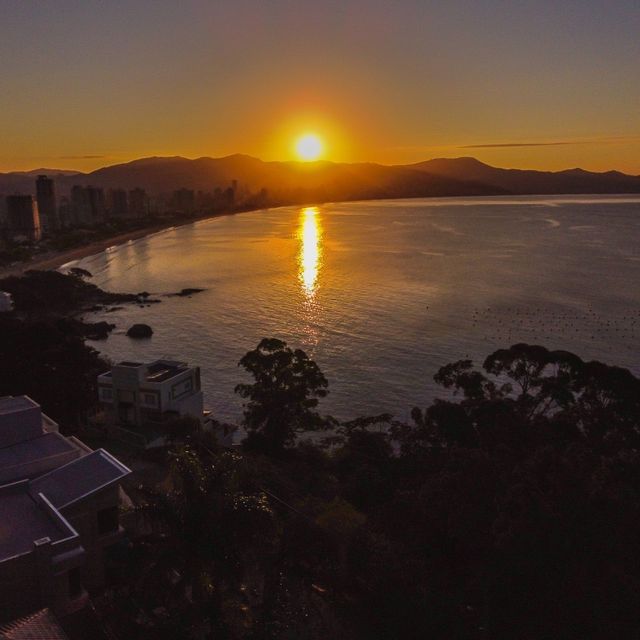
(135, 394)
(144, 397)
(88, 205)
(60, 519)
(46, 197)
(184, 200)
(118, 202)
(23, 218)
(138, 202)
(30, 442)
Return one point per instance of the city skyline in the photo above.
(542, 86)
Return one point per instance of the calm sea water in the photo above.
(383, 293)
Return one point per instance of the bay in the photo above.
(383, 293)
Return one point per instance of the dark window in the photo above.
(108, 520)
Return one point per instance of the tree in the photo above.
(284, 397)
(210, 527)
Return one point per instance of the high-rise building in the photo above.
(80, 210)
(46, 197)
(97, 204)
(23, 218)
(184, 200)
(88, 205)
(118, 203)
(138, 202)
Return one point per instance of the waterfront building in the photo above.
(46, 197)
(23, 218)
(184, 200)
(142, 398)
(118, 202)
(88, 205)
(60, 513)
(138, 202)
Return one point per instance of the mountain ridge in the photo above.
(326, 180)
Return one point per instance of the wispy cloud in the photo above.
(555, 143)
(519, 144)
(87, 157)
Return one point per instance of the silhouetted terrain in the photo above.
(297, 182)
(520, 181)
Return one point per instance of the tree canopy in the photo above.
(284, 397)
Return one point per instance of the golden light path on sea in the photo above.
(310, 255)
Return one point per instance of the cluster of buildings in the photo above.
(60, 502)
(60, 530)
(28, 217)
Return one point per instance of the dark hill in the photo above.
(326, 181)
(521, 181)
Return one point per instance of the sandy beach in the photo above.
(55, 259)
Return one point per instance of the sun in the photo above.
(309, 147)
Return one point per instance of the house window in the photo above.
(108, 520)
(150, 399)
(107, 394)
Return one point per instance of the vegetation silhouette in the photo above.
(508, 508)
(283, 398)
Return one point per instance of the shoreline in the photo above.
(52, 260)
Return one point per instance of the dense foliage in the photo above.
(513, 512)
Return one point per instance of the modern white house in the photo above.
(139, 397)
(59, 503)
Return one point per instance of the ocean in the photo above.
(383, 293)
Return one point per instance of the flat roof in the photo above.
(14, 404)
(24, 521)
(48, 444)
(163, 370)
(79, 478)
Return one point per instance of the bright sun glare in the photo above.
(309, 147)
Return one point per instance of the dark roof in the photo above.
(24, 520)
(15, 404)
(163, 370)
(23, 453)
(80, 478)
(41, 625)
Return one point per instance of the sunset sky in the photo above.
(544, 84)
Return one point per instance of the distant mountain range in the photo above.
(329, 181)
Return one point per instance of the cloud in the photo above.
(519, 144)
(88, 157)
(555, 143)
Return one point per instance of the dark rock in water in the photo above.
(140, 331)
(143, 294)
(94, 308)
(96, 330)
(187, 292)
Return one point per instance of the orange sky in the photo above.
(546, 86)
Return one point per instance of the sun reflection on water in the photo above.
(310, 256)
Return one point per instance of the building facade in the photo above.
(46, 197)
(23, 218)
(137, 394)
(143, 398)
